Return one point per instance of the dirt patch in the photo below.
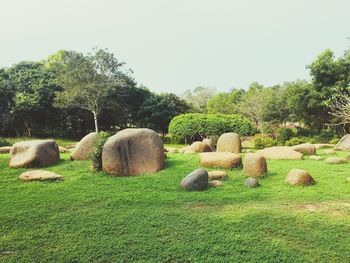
(330, 208)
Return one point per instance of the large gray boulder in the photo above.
(195, 181)
(34, 153)
(343, 144)
(229, 142)
(84, 148)
(133, 152)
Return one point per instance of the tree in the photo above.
(199, 97)
(88, 79)
(226, 103)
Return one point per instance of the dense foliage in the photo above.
(96, 156)
(195, 126)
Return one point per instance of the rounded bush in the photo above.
(192, 127)
(262, 142)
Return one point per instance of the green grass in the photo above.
(92, 217)
(61, 142)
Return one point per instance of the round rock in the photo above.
(216, 183)
(195, 181)
(254, 165)
(315, 157)
(84, 148)
(133, 152)
(299, 177)
(200, 147)
(251, 182)
(217, 175)
(229, 142)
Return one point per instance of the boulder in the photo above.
(217, 175)
(220, 159)
(299, 177)
(63, 150)
(280, 153)
(329, 152)
(209, 142)
(195, 181)
(336, 160)
(184, 149)
(200, 147)
(343, 144)
(34, 153)
(5, 149)
(229, 142)
(254, 165)
(251, 182)
(216, 183)
(84, 148)
(189, 151)
(323, 145)
(133, 152)
(305, 148)
(171, 150)
(71, 146)
(315, 157)
(40, 175)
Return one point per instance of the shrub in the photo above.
(285, 134)
(96, 155)
(324, 136)
(191, 127)
(4, 142)
(334, 141)
(261, 142)
(295, 140)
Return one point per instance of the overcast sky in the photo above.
(174, 45)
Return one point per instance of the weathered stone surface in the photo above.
(63, 150)
(200, 147)
(133, 152)
(40, 175)
(184, 149)
(5, 149)
(209, 142)
(195, 181)
(315, 157)
(336, 160)
(84, 148)
(299, 177)
(71, 146)
(189, 151)
(254, 165)
(343, 144)
(34, 153)
(251, 182)
(305, 148)
(171, 149)
(220, 159)
(323, 145)
(329, 152)
(216, 183)
(229, 142)
(280, 153)
(217, 175)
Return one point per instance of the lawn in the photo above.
(92, 217)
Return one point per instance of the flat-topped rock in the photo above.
(305, 148)
(217, 175)
(216, 183)
(280, 153)
(336, 160)
(40, 175)
(229, 142)
(5, 149)
(220, 159)
(36, 153)
(315, 157)
(84, 148)
(299, 177)
(343, 144)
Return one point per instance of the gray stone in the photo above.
(195, 181)
(251, 182)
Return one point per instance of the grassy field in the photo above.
(92, 217)
(61, 142)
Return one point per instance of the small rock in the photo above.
(40, 175)
(329, 151)
(217, 175)
(315, 157)
(336, 160)
(196, 181)
(299, 177)
(62, 149)
(216, 183)
(251, 182)
(5, 149)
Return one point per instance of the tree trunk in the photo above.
(95, 120)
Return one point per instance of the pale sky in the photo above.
(175, 45)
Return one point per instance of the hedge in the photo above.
(191, 127)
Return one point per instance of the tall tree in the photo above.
(226, 103)
(199, 97)
(87, 80)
